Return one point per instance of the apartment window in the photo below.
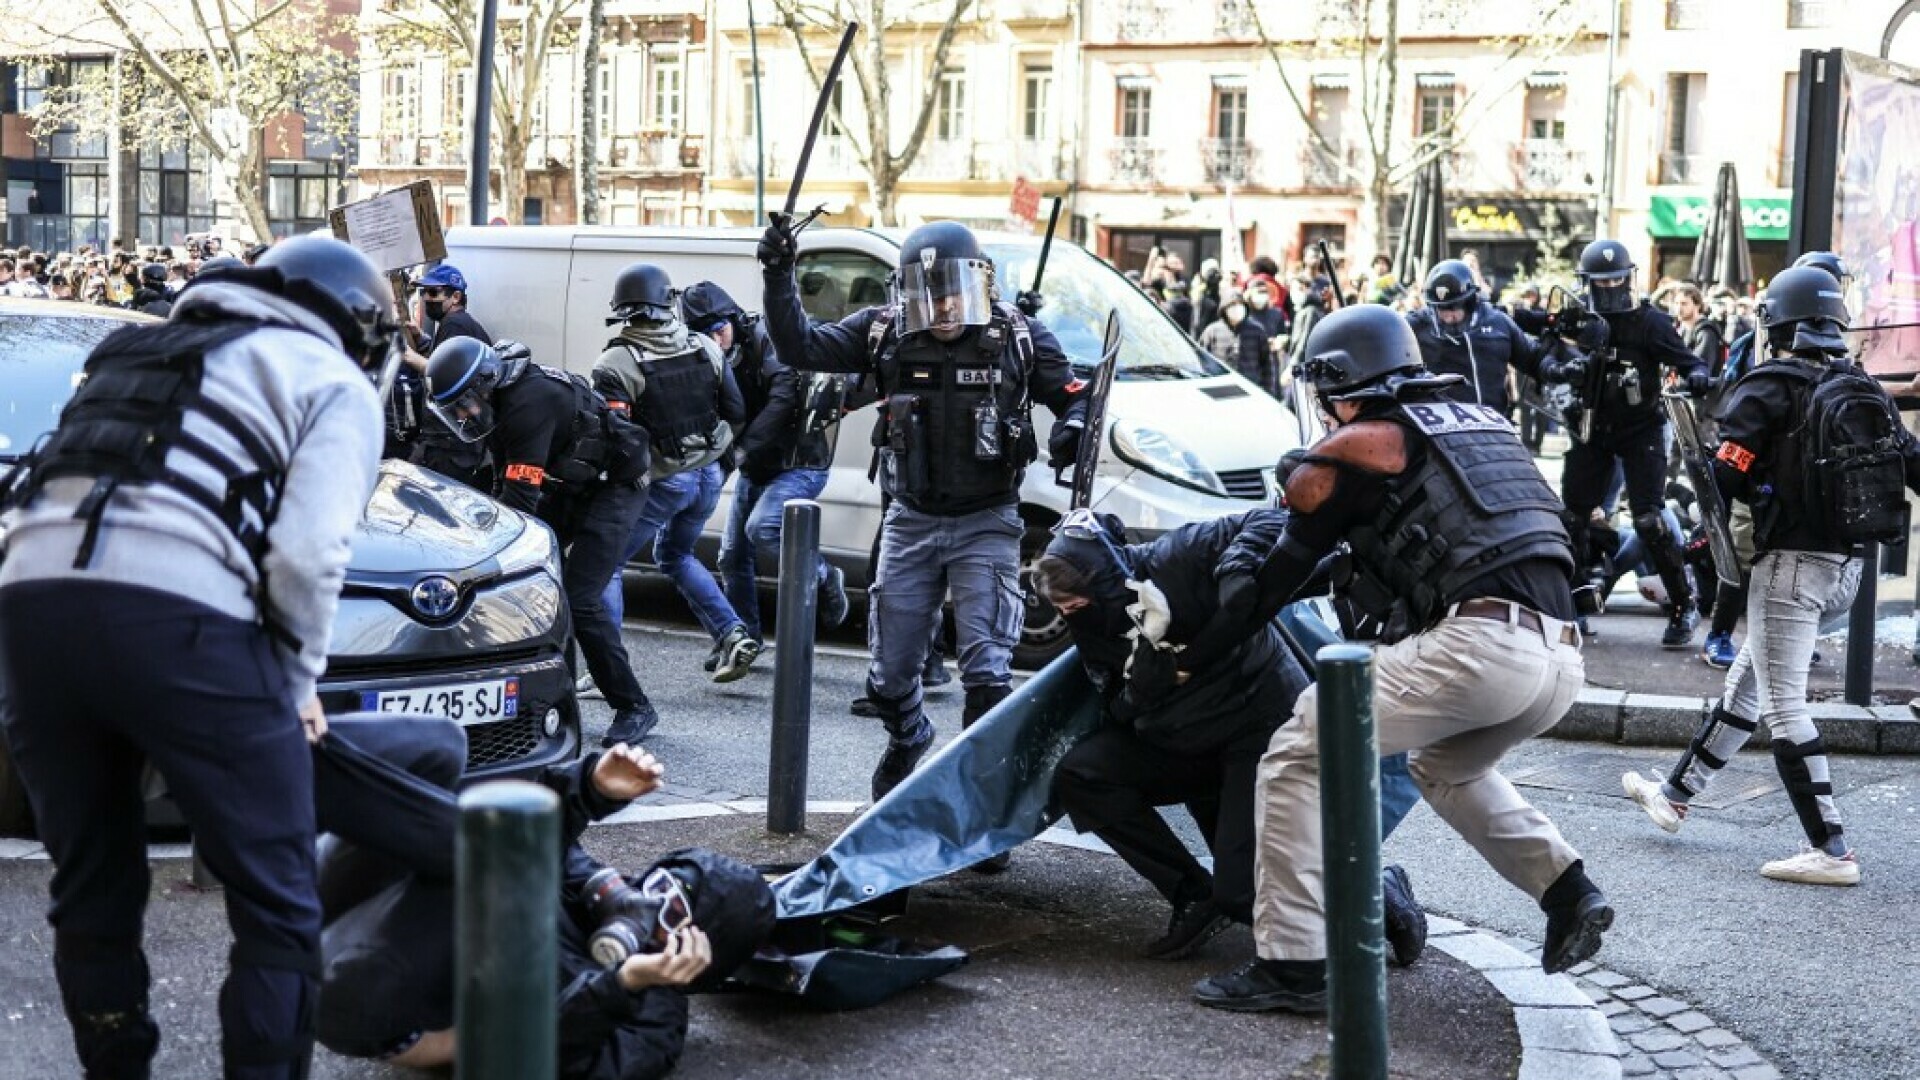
(298, 195)
(1036, 98)
(1682, 162)
(744, 125)
(1789, 128)
(1229, 112)
(1436, 105)
(1809, 13)
(459, 85)
(1330, 111)
(950, 108)
(175, 194)
(400, 103)
(1136, 112)
(603, 101)
(1686, 14)
(666, 92)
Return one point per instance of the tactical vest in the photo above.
(1471, 502)
(680, 407)
(601, 445)
(129, 417)
(956, 424)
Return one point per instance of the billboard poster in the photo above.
(1876, 210)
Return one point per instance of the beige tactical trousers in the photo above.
(1458, 697)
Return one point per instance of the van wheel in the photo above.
(16, 816)
(1043, 632)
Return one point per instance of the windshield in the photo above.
(1080, 290)
(40, 361)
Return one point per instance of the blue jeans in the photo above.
(753, 535)
(677, 506)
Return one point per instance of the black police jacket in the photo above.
(1645, 340)
(1479, 350)
(775, 394)
(531, 439)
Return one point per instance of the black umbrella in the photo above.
(1423, 228)
(1722, 257)
(1433, 249)
(1412, 227)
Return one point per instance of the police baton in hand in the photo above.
(1029, 302)
(820, 108)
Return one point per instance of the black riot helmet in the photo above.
(1450, 284)
(338, 283)
(462, 375)
(153, 275)
(944, 279)
(1351, 352)
(642, 291)
(1804, 312)
(1825, 260)
(1606, 271)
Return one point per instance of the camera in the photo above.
(628, 922)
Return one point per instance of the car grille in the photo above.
(500, 741)
(1245, 483)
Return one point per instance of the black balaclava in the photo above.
(1100, 628)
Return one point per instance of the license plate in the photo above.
(465, 703)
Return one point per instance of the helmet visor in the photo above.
(469, 414)
(1610, 293)
(944, 294)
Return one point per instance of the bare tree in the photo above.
(212, 74)
(810, 22)
(1368, 34)
(590, 113)
(521, 47)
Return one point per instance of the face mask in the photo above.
(436, 309)
(1259, 300)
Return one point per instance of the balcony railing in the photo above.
(1169, 20)
(657, 151)
(1320, 169)
(1134, 161)
(1549, 165)
(1041, 160)
(1809, 13)
(1143, 20)
(1233, 20)
(1227, 161)
(1033, 10)
(1685, 168)
(938, 159)
(1686, 14)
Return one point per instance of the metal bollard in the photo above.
(1350, 826)
(1858, 684)
(506, 959)
(793, 667)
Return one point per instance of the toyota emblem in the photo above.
(435, 597)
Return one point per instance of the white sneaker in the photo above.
(1814, 867)
(1646, 791)
(586, 690)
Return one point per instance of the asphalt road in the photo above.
(1822, 981)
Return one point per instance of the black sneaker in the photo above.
(1191, 926)
(901, 755)
(631, 725)
(833, 599)
(1680, 627)
(713, 656)
(1296, 986)
(1406, 923)
(738, 650)
(1577, 914)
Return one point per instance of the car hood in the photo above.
(1226, 422)
(419, 521)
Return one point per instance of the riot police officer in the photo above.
(678, 387)
(957, 373)
(1456, 547)
(785, 451)
(567, 459)
(1460, 335)
(174, 556)
(1617, 386)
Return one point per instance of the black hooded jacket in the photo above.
(772, 441)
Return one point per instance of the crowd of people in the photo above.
(193, 545)
(145, 280)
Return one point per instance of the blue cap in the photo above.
(444, 276)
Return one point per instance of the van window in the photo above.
(834, 284)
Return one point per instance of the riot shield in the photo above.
(1713, 512)
(1087, 465)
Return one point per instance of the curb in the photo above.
(1563, 1034)
(1615, 716)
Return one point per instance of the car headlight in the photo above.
(1164, 456)
(532, 550)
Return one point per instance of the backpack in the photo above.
(1854, 457)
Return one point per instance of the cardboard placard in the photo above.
(396, 229)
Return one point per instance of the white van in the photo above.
(1187, 438)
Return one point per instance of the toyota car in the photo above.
(452, 605)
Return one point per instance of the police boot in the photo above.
(1577, 914)
(980, 702)
(1671, 562)
(909, 736)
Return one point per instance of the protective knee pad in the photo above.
(980, 701)
(901, 716)
(1666, 556)
(1803, 771)
(1577, 530)
(1719, 738)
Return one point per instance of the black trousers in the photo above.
(593, 532)
(1113, 782)
(99, 680)
(1585, 478)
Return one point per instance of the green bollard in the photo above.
(506, 960)
(1350, 826)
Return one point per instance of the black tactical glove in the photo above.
(1594, 334)
(1152, 673)
(1029, 303)
(1571, 370)
(1699, 383)
(777, 250)
(1063, 442)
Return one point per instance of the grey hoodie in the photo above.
(291, 385)
(662, 339)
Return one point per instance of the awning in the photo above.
(1547, 80)
(1435, 80)
(1134, 82)
(1332, 80)
(1230, 82)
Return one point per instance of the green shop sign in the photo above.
(1685, 216)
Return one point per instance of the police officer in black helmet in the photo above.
(1619, 383)
(1455, 546)
(1460, 335)
(565, 458)
(174, 556)
(957, 371)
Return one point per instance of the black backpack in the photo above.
(1854, 460)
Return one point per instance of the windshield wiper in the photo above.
(1156, 371)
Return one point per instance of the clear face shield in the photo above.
(944, 295)
(469, 413)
